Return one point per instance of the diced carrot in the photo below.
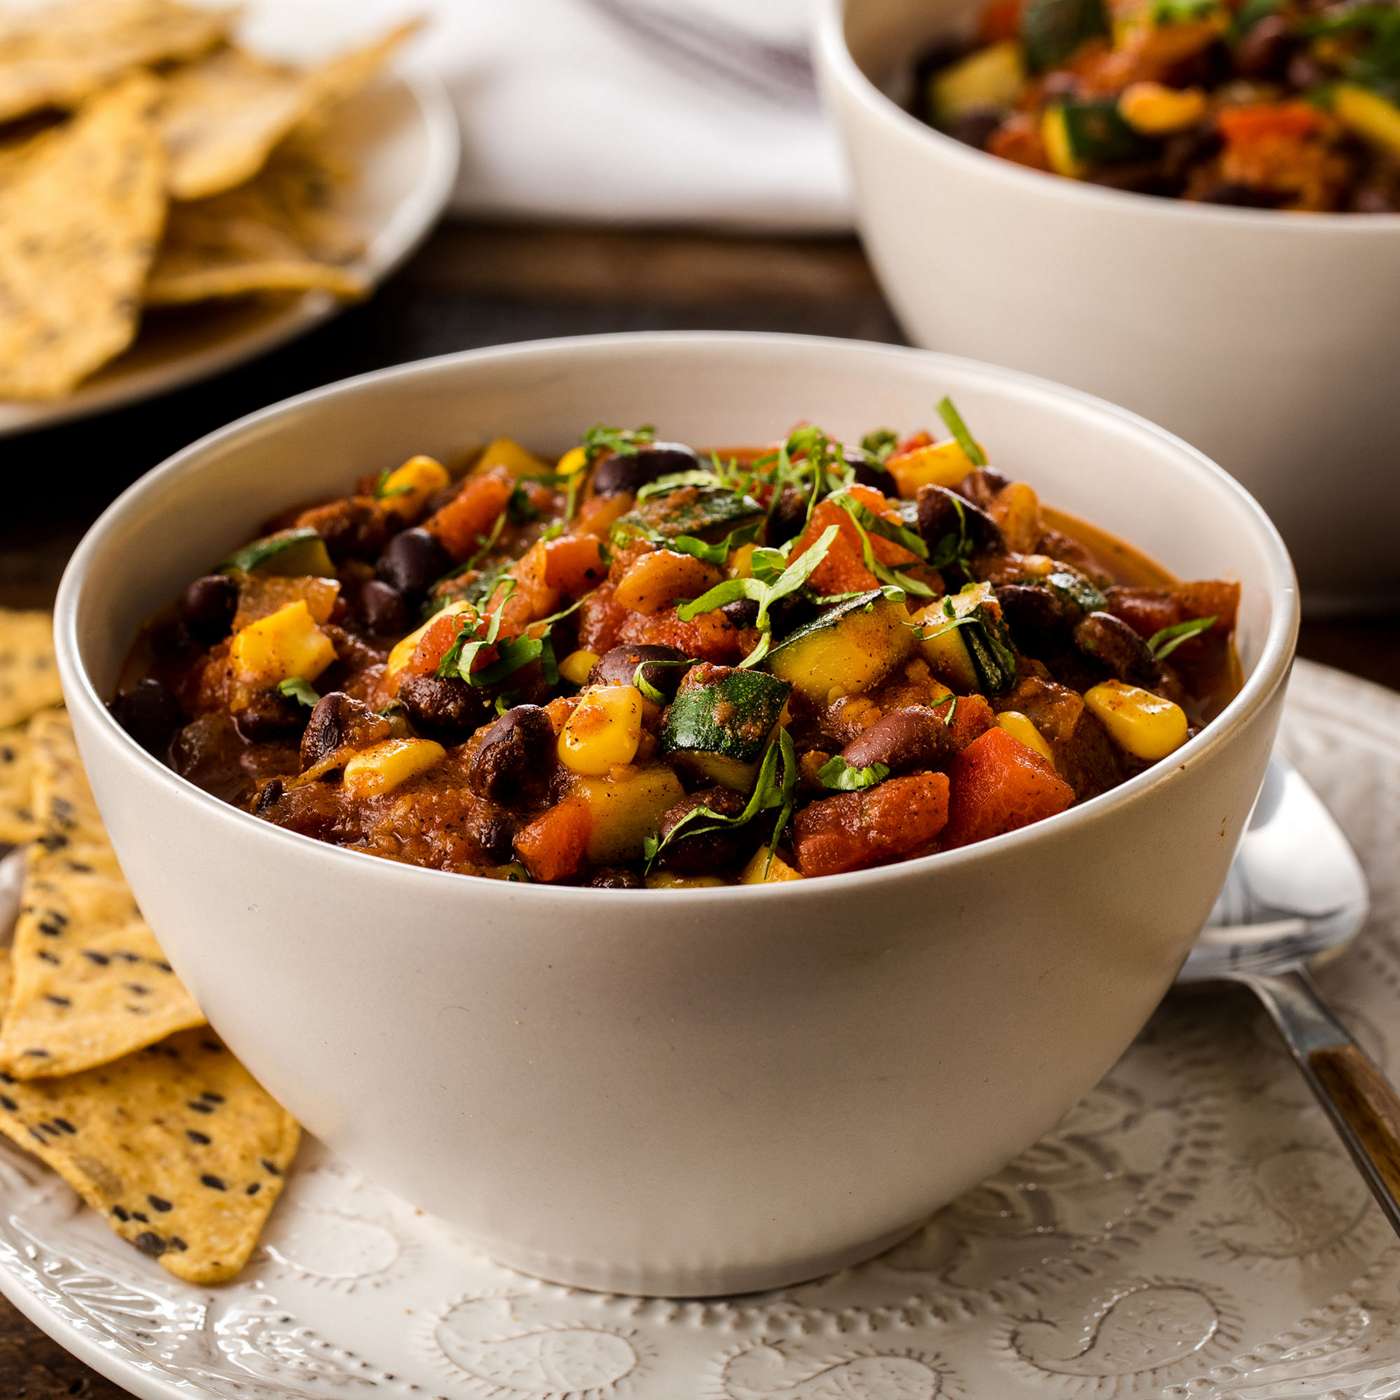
(1148, 610)
(466, 520)
(437, 641)
(923, 438)
(1258, 121)
(527, 597)
(553, 845)
(1000, 19)
(573, 564)
(999, 785)
(1210, 598)
(972, 717)
(856, 829)
(660, 577)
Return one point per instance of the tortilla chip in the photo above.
(222, 117)
(278, 233)
(28, 670)
(90, 981)
(17, 824)
(177, 1146)
(81, 212)
(62, 53)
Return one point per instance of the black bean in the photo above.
(413, 561)
(713, 851)
(1243, 196)
(208, 607)
(867, 472)
(788, 517)
(630, 471)
(149, 713)
(619, 666)
(1265, 49)
(616, 877)
(494, 832)
(332, 725)
(1038, 617)
(944, 515)
(443, 707)
(742, 612)
(514, 756)
(383, 609)
(1118, 649)
(909, 739)
(976, 125)
(982, 485)
(268, 796)
(270, 715)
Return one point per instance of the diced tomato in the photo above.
(843, 570)
(1000, 19)
(600, 618)
(553, 845)
(1000, 785)
(465, 521)
(1018, 139)
(1259, 121)
(972, 717)
(856, 829)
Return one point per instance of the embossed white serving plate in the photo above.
(1190, 1231)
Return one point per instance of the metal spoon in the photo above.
(1295, 895)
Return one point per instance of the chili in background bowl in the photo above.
(696, 1091)
(1268, 339)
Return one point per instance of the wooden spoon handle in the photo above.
(1360, 1101)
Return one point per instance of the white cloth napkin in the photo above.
(628, 111)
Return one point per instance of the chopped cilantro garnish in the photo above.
(839, 776)
(600, 440)
(295, 688)
(1161, 644)
(879, 444)
(959, 430)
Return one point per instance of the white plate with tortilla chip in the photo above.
(386, 158)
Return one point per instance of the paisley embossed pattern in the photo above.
(1191, 1231)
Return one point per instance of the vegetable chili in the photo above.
(644, 666)
(1276, 104)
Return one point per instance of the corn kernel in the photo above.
(762, 871)
(1145, 725)
(603, 731)
(284, 644)
(668, 880)
(507, 453)
(386, 765)
(576, 666)
(574, 460)
(1157, 110)
(1059, 149)
(1371, 116)
(406, 489)
(940, 463)
(1023, 730)
(404, 648)
(740, 562)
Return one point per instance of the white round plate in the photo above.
(400, 138)
(1191, 1231)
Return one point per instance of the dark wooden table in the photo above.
(469, 286)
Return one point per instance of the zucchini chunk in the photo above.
(707, 513)
(1081, 135)
(990, 78)
(966, 643)
(721, 720)
(847, 649)
(1052, 29)
(287, 553)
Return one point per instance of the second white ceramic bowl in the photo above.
(1270, 341)
(690, 1091)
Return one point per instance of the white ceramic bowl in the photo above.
(1270, 341)
(692, 1091)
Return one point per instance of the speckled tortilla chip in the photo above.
(90, 980)
(28, 671)
(176, 1145)
(17, 824)
(222, 117)
(278, 233)
(81, 212)
(57, 55)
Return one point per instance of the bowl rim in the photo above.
(834, 54)
(1268, 675)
